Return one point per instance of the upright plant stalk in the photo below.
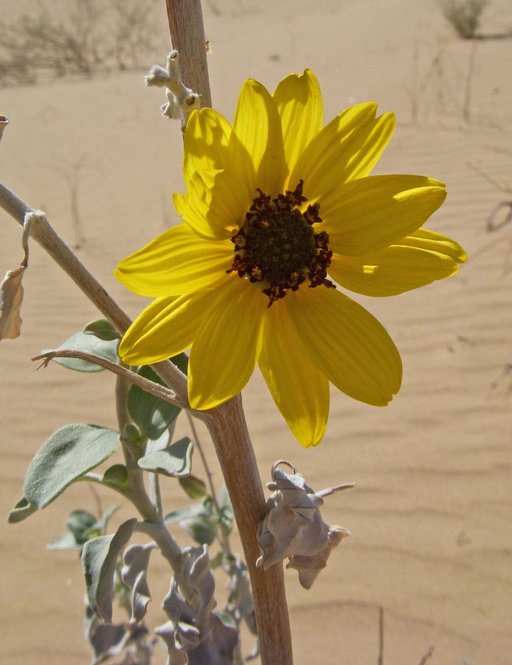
(226, 424)
(228, 430)
(187, 36)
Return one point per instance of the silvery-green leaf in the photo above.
(82, 526)
(151, 414)
(80, 523)
(65, 457)
(174, 460)
(99, 558)
(102, 329)
(203, 529)
(186, 513)
(82, 341)
(21, 511)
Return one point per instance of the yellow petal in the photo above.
(227, 344)
(347, 148)
(215, 203)
(206, 142)
(299, 102)
(436, 242)
(367, 215)
(413, 262)
(165, 328)
(258, 127)
(348, 345)
(298, 387)
(175, 263)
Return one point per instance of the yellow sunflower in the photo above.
(279, 212)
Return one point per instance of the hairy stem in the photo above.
(187, 37)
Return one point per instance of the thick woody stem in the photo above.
(230, 436)
(187, 37)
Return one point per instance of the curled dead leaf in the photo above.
(293, 527)
(11, 288)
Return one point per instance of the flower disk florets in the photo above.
(276, 244)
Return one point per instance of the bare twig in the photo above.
(45, 235)
(381, 636)
(468, 85)
(427, 656)
(148, 386)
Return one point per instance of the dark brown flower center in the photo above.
(276, 245)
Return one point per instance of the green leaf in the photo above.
(115, 478)
(69, 453)
(194, 487)
(151, 414)
(181, 362)
(102, 329)
(82, 341)
(82, 526)
(99, 559)
(174, 460)
(184, 514)
(203, 528)
(21, 511)
(80, 523)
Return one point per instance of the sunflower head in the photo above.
(281, 215)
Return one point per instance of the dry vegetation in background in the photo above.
(91, 36)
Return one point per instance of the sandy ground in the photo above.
(431, 514)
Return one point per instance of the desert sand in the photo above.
(431, 514)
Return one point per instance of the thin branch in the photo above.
(381, 636)
(45, 235)
(148, 386)
(427, 656)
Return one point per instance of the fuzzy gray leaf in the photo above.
(293, 527)
(21, 511)
(99, 558)
(69, 453)
(174, 460)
